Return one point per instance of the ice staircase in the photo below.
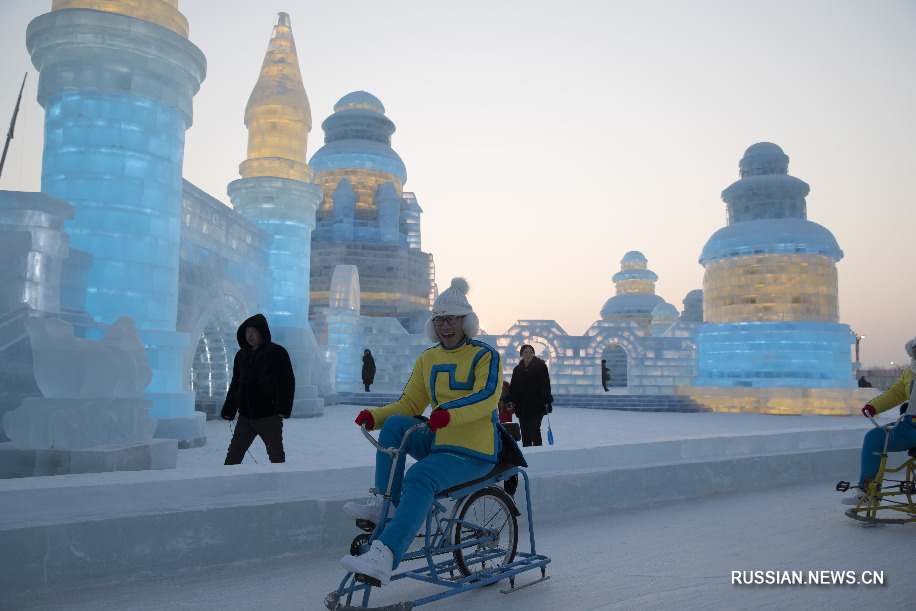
(632, 403)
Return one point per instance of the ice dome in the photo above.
(769, 236)
(694, 296)
(693, 306)
(358, 136)
(635, 296)
(664, 309)
(634, 266)
(359, 99)
(633, 303)
(763, 158)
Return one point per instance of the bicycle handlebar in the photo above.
(392, 452)
(888, 427)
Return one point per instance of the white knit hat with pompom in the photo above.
(454, 302)
(910, 348)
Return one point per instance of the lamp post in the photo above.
(859, 338)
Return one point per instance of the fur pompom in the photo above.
(911, 348)
(461, 285)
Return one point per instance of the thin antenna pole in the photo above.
(9, 135)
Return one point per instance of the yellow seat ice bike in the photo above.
(887, 500)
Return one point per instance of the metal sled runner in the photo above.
(886, 500)
(470, 541)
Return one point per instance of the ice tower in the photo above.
(366, 219)
(635, 285)
(770, 299)
(117, 81)
(276, 193)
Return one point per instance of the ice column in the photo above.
(342, 318)
(388, 207)
(117, 86)
(344, 210)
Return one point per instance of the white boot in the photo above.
(371, 511)
(854, 499)
(376, 563)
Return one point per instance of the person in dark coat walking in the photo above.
(368, 369)
(529, 392)
(605, 374)
(261, 392)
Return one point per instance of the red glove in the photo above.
(366, 418)
(439, 419)
(868, 410)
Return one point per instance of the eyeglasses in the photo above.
(448, 320)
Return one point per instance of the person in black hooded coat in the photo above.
(261, 392)
(529, 392)
(368, 369)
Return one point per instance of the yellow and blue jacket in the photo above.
(466, 380)
(898, 392)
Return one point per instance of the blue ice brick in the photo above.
(90, 107)
(108, 161)
(66, 159)
(116, 107)
(132, 137)
(103, 134)
(74, 133)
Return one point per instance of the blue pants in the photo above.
(431, 474)
(901, 439)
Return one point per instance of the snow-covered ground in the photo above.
(674, 554)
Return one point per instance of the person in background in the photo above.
(505, 419)
(863, 383)
(505, 408)
(461, 379)
(368, 369)
(529, 392)
(261, 392)
(605, 374)
(902, 438)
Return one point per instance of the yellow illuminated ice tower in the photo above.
(276, 193)
(772, 341)
(366, 219)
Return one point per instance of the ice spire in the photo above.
(278, 116)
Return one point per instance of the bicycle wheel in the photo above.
(487, 532)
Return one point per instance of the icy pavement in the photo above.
(660, 554)
(662, 557)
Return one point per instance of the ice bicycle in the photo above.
(887, 501)
(470, 539)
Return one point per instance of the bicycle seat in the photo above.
(510, 456)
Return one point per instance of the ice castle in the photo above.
(329, 248)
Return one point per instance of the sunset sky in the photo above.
(545, 140)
